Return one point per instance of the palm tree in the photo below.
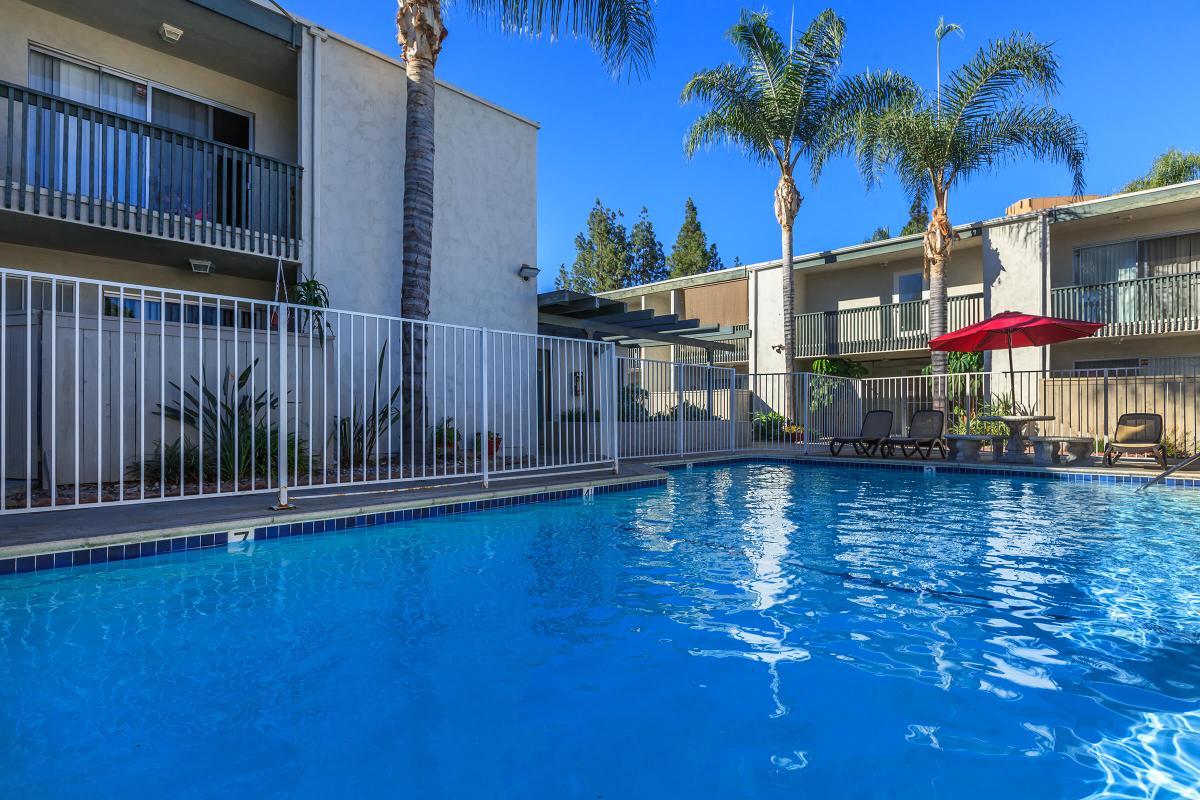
(1173, 166)
(786, 101)
(621, 31)
(983, 115)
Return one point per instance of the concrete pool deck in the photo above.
(27, 534)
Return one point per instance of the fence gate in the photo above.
(795, 410)
(666, 407)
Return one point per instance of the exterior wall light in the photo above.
(526, 272)
(200, 266)
(169, 33)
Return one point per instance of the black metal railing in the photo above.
(1138, 307)
(74, 161)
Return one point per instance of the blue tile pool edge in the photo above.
(950, 468)
(102, 554)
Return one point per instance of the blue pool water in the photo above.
(746, 631)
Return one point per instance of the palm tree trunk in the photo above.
(939, 237)
(787, 205)
(420, 31)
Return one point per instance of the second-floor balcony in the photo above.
(891, 327)
(67, 160)
(739, 355)
(1137, 307)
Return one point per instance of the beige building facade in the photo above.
(249, 141)
(1131, 261)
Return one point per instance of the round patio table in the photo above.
(1014, 451)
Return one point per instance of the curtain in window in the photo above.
(73, 152)
(55, 140)
(179, 175)
(1105, 264)
(1172, 259)
(1171, 255)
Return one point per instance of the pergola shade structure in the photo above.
(583, 316)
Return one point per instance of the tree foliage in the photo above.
(880, 234)
(985, 116)
(621, 32)
(991, 110)
(692, 254)
(603, 260)
(785, 101)
(918, 218)
(649, 263)
(1173, 166)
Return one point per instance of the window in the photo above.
(1139, 258)
(909, 287)
(41, 292)
(1160, 257)
(168, 176)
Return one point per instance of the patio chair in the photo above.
(876, 426)
(924, 433)
(1137, 433)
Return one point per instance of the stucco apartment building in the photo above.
(1131, 261)
(200, 144)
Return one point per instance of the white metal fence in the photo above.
(666, 408)
(117, 393)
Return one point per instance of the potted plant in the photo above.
(445, 435)
(794, 432)
(493, 442)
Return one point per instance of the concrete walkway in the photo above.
(46, 531)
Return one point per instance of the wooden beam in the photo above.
(630, 333)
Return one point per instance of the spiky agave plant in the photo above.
(235, 434)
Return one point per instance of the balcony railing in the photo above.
(1139, 307)
(73, 161)
(878, 329)
(697, 355)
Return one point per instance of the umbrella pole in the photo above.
(1012, 379)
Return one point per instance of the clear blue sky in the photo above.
(1128, 77)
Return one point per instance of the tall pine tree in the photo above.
(692, 253)
(649, 260)
(603, 260)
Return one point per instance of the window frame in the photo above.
(150, 85)
(1136, 240)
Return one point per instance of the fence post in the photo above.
(804, 390)
(486, 439)
(615, 416)
(679, 407)
(1106, 428)
(281, 501)
(732, 409)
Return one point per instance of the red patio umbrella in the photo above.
(1013, 329)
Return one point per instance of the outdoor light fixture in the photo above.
(200, 266)
(526, 272)
(169, 33)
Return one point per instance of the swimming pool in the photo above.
(749, 630)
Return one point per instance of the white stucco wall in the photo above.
(485, 199)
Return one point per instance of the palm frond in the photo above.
(999, 72)
(738, 113)
(849, 102)
(622, 32)
(1021, 130)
